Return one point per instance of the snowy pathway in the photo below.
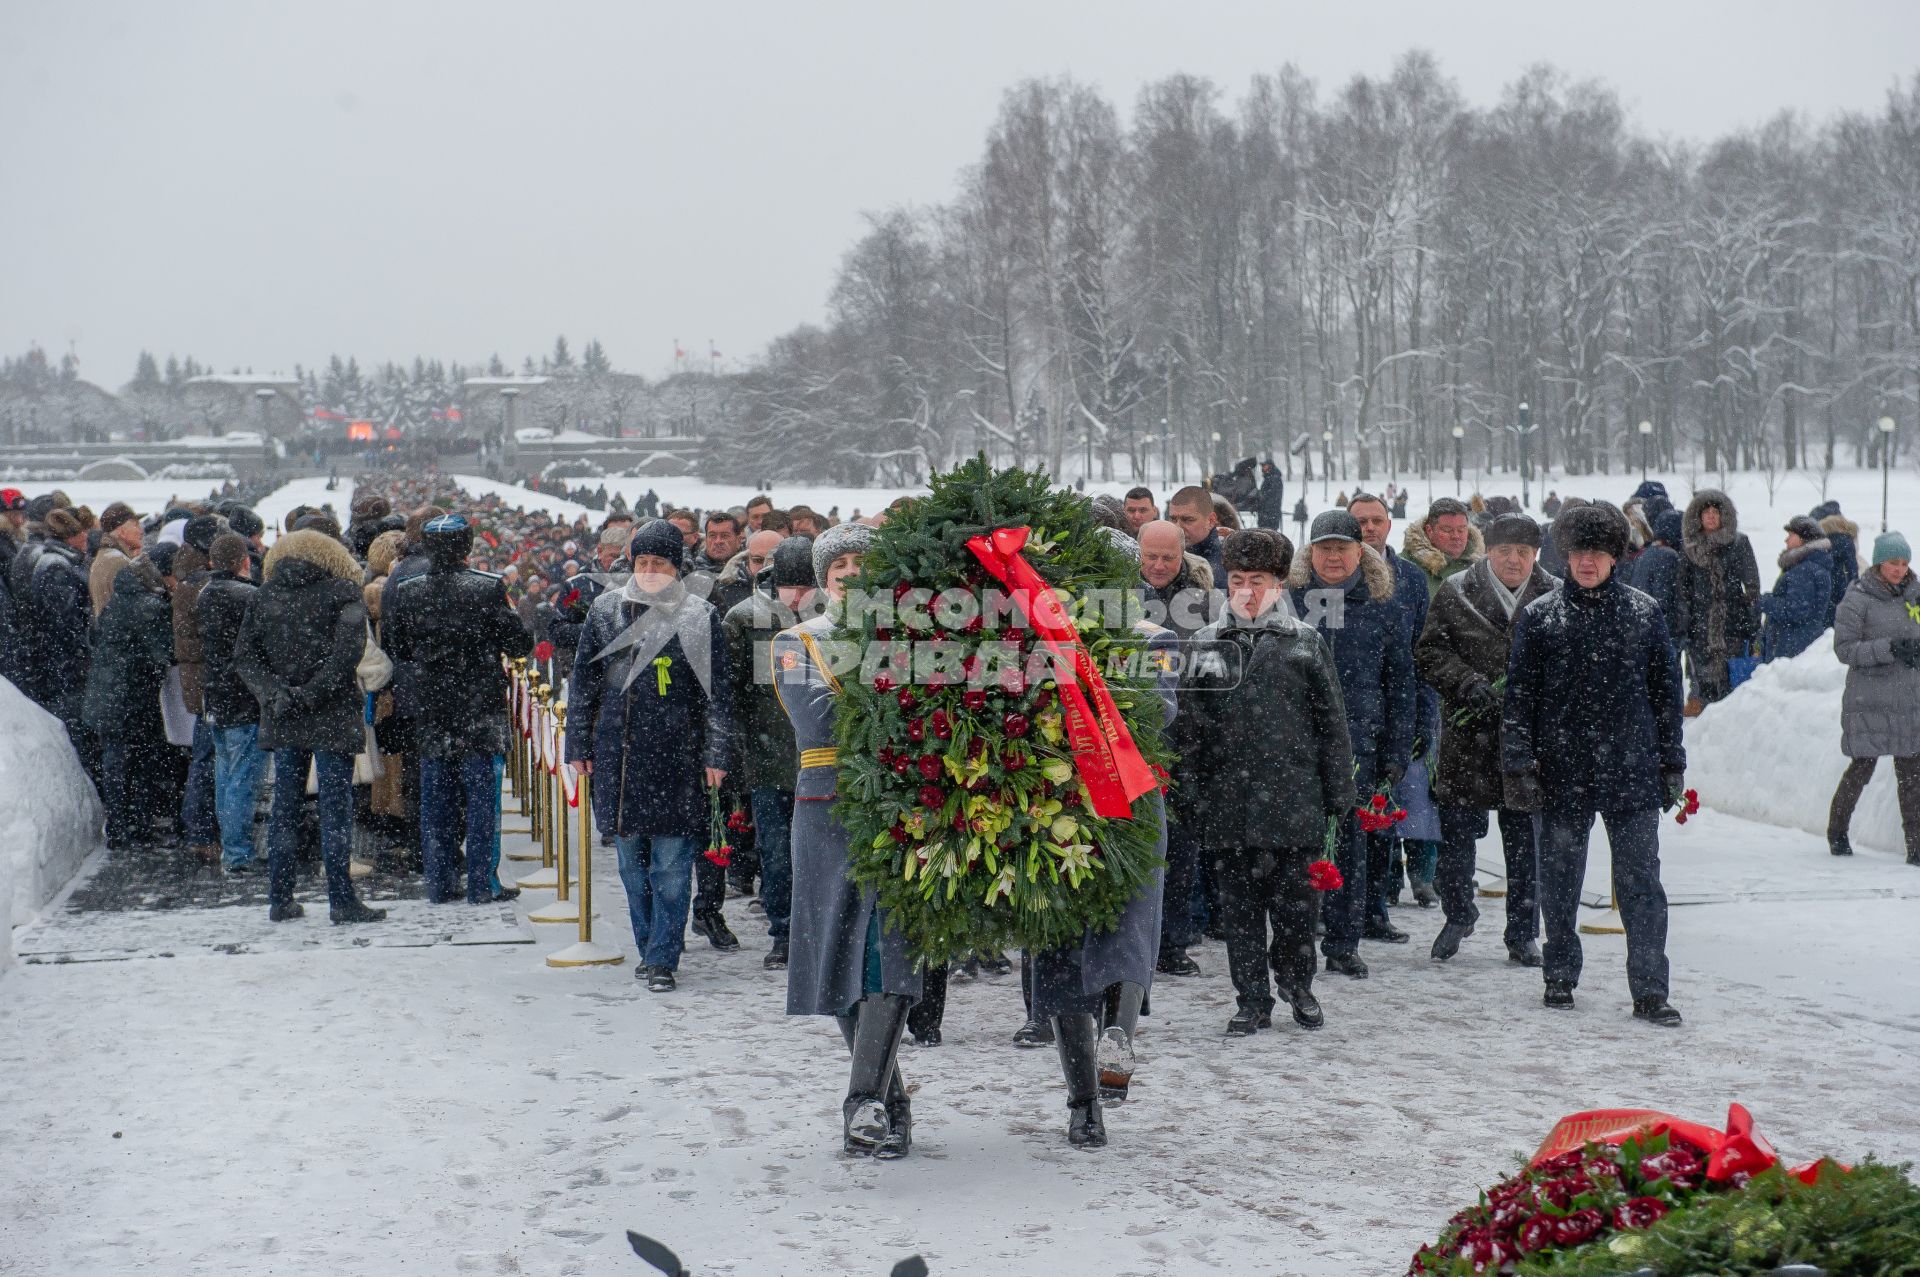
(456, 1109)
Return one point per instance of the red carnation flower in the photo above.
(908, 700)
(916, 730)
(1379, 802)
(1324, 875)
(941, 724)
(1535, 1234)
(543, 651)
(930, 766)
(882, 683)
(974, 700)
(902, 763)
(932, 795)
(1015, 725)
(1640, 1212)
(1578, 1227)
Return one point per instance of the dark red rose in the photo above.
(1561, 1163)
(882, 683)
(971, 668)
(916, 730)
(959, 821)
(1012, 682)
(932, 795)
(1562, 1191)
(1676, 1165)
(900, 591)
(978, 786)
(899, 833)
(908, 700)
(1015, 634)
(973, 626)
(974, 699)
(884, 634)
(1639, 1212)
(1013, 760)
(1015, 725)
(1070, 797)
(1578, 1227)
(976, 747)
(941, 724)
(902, 763)
(930, 766)
(1536, 1233)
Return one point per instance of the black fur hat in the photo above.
(1599, 526)
(1257, 550)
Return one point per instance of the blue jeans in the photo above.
(335, 776)
(238, 767)
(659, 892)
(447, 784)
(773, 838)
(197, 811)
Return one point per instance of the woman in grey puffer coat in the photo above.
(1877, 634)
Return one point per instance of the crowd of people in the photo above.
(1480, 670)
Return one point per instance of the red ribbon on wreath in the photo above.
(1103, 750)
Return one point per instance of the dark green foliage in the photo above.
(1028, 866)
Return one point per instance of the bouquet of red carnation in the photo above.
(1689, 806)
(543, 651)
(1324, 875)
(738, 821)
(719, 851)
(1376, 816)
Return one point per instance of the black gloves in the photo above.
(1673, 789)
(1905, 650)
(1480, 696)
(1523, 791)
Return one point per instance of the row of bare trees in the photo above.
(1210, 280)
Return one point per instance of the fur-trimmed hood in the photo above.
(1419, 547)
(1795, 554)
(1374, 569)
(316, 548)
(1842, 524)
(1698, 544)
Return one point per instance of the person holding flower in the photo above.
(1591, 727)
(1272, 766)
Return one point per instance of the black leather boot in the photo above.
(879, 1020)
(1075, 1036)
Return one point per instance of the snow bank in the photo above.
(1771, 752)
(49, 815)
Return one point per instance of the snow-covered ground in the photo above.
(453, 1109)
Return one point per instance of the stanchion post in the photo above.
(541, 879)
(517, 755)
(585, 953)
(561, 909)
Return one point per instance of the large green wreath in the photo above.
(961, 801)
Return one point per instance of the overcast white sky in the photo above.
(262, 184)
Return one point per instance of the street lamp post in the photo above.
(1326, 465)
(1646, 441)
(1526, 458)
(1166, 453)
(1886, 465)
(1459, 433)
(507, 450)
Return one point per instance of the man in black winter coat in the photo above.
(298, 650)
(1591, 726)
(1462, 654)
(452, 626)
(1272, 501)
(1271, 764)
(54, 611)
(232, 712)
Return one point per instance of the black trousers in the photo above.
(1460, 829)
(931, 1009)
(1634, 837)
(1258, 886)
(1176, 893)
(1906, 780)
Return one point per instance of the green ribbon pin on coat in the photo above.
(661, 677)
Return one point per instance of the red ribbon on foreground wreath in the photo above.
(1103, 750)
(1736, 1150)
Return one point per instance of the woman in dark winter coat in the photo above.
(1719, 591)
(298, 650)
(1877, 635)
(1843, 538)
(845, 959)
(132, 648)
(1799, 607)
(649, 716)
(1272, 764)
(1657, 570)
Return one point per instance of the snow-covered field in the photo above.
(469, 1110)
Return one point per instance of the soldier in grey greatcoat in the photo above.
(845, 959)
